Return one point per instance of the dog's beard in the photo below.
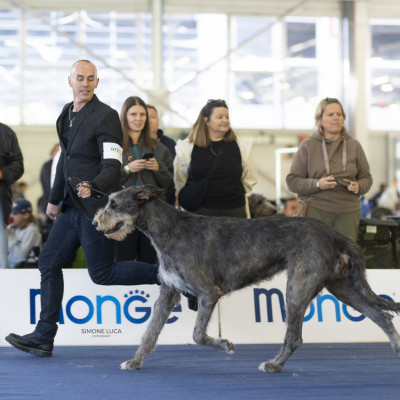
(119, 235)
(118, 231)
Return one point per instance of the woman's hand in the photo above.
(137, 165)
(353, 187)
(141, 164)
(152, 165)
(328, 182)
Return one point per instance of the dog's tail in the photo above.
(359, 280)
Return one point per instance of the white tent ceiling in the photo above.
(376, 8)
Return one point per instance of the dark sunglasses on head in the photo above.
(217, 100)
(331, 100)
(212, 101)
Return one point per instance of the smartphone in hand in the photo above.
(147, 156)
(342, 182)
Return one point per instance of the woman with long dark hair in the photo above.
(144, 161)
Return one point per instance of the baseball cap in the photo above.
(21, 206)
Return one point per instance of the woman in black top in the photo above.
(232, 176)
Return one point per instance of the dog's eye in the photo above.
(113, 204)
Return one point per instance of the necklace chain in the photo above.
(69, 116)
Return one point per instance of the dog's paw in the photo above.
(270, 366)
(230, 348)
(131, 365)
(226, 345)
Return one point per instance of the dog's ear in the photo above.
(148, 192)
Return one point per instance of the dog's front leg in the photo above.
(200, 336)
(167, 300)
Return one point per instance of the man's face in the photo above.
(154, 122)
(290, 208)
(83, 81)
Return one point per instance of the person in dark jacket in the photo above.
(168, 142)
(89, 168)
(11, 169)
(45, 222)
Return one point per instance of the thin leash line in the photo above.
(85, 186)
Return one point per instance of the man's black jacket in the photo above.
(93, 154)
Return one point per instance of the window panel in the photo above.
(300, 96)
(260, 47)
(301, 40)
(122, 39)
(385, 98)
(386, 41)
(283, 84)
(273, 76)
(113, 89)
(252, 88)
(384, 76)
(191, 44)
(10, 82)
(46, 92)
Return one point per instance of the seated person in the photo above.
(290, 207)
(23, 233)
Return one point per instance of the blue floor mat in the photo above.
(315, 371)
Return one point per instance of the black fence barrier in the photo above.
(380, 241)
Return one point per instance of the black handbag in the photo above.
(191, 197)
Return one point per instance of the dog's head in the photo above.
(260, 207)
(118, 218)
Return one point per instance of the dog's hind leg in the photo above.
(167, 300)
(299, 293)
(206, 307)
(344, 291)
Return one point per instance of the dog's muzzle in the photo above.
(115, 229)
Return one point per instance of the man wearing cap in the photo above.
(23, 233)
(11, 169)
(89, 168)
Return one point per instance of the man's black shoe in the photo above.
(31, 344)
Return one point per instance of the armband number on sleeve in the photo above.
(113, 151)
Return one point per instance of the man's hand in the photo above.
(52, 211)
(84, 190)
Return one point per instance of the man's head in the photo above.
(21, 213)
(83, 80)
(290, 207)
(154, 121)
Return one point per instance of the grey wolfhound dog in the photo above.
(210, 257)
